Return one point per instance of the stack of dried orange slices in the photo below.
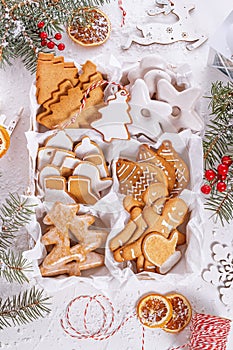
(171, 312)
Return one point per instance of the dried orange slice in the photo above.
(181, 315)
(94, 31)
(4, 141)
(154, 310)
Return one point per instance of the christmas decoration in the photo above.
(115, 116)
(163, 33)
(94, 31)
(218, 154)
(208, 333)
(29, 305)
(46, 41)
(20, 21)
(221, 272)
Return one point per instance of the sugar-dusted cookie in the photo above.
(167, 152)
(64, 259)
(59, 140)
(90, 170)
(157, 249)
(147, 154)
(89, 150)
(81, 188)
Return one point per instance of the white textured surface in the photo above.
(15, 83)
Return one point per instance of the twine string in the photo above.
(207, 332)
(120, 5)
(106, 328)
(93, 86)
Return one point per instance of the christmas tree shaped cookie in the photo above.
(115, 116)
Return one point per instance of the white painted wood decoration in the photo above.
(184, 29)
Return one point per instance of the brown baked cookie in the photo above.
(167, 152)
(147, 154)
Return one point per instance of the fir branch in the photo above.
(24, 308)
(13, 267)
(18, 25)
(14, 215)
(218, 138)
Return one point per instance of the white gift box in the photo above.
(221, 48)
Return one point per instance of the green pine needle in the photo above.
(218, 141)
(19, 34)
(14, 215)
(24, 308)
(13, 267)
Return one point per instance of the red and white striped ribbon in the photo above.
(208, 333)
(120, 5)
(105, 330)
(93, 86)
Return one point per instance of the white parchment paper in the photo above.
(111, 211)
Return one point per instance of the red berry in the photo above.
(205, 189)
(222, 169)
(58, 36)
(50, 45)
(40, 24)
(226, 160)
(61, 47)
(43, 35)
(221, 186)
(43, 42)
(223, 177)
(210, 175)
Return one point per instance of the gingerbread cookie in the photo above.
(134, 178)
(147, 154)
(81, 188)
(89, 150)
(151, 236)
(167, 152)
(59, 140)
(157, 249)
(64, 259)
(90, 170)
(114, 118)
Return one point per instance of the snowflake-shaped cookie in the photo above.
(221, 273)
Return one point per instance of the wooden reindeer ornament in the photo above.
(164, 33)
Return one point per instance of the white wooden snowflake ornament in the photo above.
(146, 114)
(163, 33)
(221, 273)
(115, 117)
(183, 104)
